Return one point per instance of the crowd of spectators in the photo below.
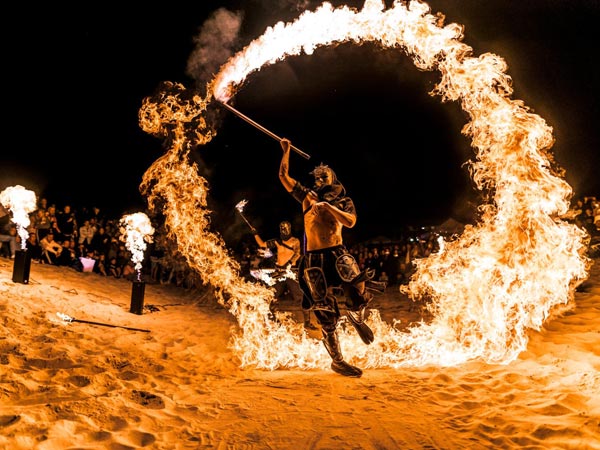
(86, 240)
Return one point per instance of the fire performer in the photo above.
(327, 265)
(287, 251)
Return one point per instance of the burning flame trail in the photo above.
(485, 289)
(20, 202)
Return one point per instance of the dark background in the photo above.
(75, 81)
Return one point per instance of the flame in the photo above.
(241, 205)
(272, 276)
(136, 230)
(484, 289)
(21, 202)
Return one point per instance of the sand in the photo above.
(168, 379)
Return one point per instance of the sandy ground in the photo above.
(168, 379)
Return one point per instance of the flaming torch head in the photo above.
(241, 205)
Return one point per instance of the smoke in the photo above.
(219, 38)
(294, 5)
(215, 44)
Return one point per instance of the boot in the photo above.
(307, 324)
(357, 319)
(338, 365)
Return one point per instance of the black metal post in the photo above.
(21, 266)
(137, 297)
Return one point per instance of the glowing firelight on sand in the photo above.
(20, 202)
(484, 290)
(136, 230)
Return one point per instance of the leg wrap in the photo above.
(332, 345)
(338, 364)
(314, 278)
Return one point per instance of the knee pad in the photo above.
(316, 283)
(347, 267)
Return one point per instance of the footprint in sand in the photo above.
(6, 421)
(147, 399)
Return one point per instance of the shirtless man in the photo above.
(286, 250)
(327, 264)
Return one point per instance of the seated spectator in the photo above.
(10, 237)
(81, 250)
(67, 257)
(100, 267)
(6, 236)
(34, 248)
(384, 278)
(51, 249)
(113, 269)
(86, 233)
(129, 271)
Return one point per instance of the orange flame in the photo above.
(485, 289)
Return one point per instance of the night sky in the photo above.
(75, 81)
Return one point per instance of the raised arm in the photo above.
(284, 176)
(258, 239)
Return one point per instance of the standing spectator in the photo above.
(43, 204)
(67, 223)
(51, 213)
(42, 223)
(100, 242)
(96, 217)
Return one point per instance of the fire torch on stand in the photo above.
(20, 202)
(136, 230)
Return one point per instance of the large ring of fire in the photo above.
(500, 278)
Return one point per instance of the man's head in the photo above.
(324, 176)
(285, 229)
(327, 186)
